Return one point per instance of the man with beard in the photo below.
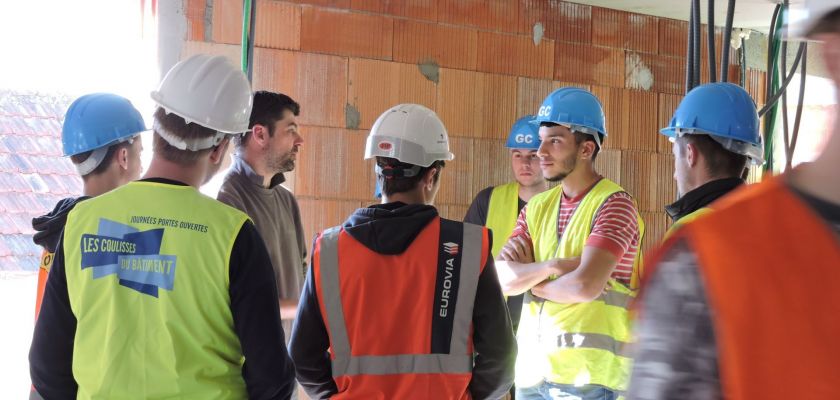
(253, 185)
(156, 290)
(498, 207)
(575, 255)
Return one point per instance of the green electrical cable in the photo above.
(770, 119)
(246, 28)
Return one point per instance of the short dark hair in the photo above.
(719, 161)
(268, 108)
(581, 137)
(106, 161)
(394, 185)
(176, 125)
(828, 24)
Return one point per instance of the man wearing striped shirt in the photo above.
(575, 254)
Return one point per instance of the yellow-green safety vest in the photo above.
(580, 343)
(502, 213)
(147, 269)
(686, 219)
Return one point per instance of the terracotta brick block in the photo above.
(331, 165)
(375, 86)
(530, 93)
(456, 180)
(515, 55)
(624, 30)
(415, 9)
(640, 117)
(561, 21)
(346, 33)
(231, 52)
(667, 188)
(227, 21)
(661, 74)
(608, 164)
(589, 64)
(318, 214)
(656, 224)
(453, 211)
(446, 46)
(497, 15)
(277, 25)
(195, 11)
(704, 53)
(640, 177)
(612, 99)
(475, 104)
(667, 106)
(318, 82)
(756, 85)
(673, 37)
(491, 164)
(325, 3)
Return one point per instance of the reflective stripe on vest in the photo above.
(502, 213)
(147, 269)
(765, 259)
(581, 343)
(458, 361)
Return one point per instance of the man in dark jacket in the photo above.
(398, 302)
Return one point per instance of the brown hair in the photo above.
(719, 161)
(394, 185)
(175, 125)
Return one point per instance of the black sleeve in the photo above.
(309, 344)
(51, 354)
(268, 370)
(477, 213)
(493, 339)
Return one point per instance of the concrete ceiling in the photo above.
(749, 14)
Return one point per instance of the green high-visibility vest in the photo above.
(581, 343)
(147, 269)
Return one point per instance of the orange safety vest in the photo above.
(400, 326)
(766, 260)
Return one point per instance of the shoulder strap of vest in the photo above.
(330, 287)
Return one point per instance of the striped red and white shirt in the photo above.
(615, 229)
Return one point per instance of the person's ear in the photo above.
(218, 152)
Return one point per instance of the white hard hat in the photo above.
(209, 91)
(804, 21)
(410, 133)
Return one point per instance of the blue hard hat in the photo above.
(724, 111)
(97, 120)
(524, 134)
(576, 108)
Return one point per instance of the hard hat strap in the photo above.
(390, 172)
(89, 164)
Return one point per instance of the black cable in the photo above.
(727, 36)
(783, 72)
(743, 63)
(773, 99)
(689, 58)
(695, 66)
(710, 29)
(799, 106)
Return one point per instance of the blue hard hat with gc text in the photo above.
(524, 134)
(576, 108)
(97, 120)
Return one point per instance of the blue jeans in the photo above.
(554, 391)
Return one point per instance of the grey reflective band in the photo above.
(613, 298)
(408, 364)
(470, 270)
(458, 361)
(331, 291)
(593, 341)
